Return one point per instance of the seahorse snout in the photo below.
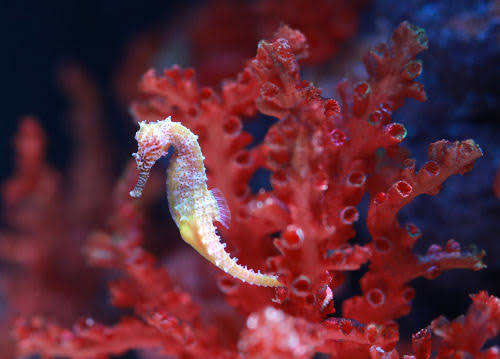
(143, 167)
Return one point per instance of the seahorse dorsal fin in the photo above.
(224, 217)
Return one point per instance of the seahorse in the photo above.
(193, 207)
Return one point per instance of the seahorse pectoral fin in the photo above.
(224, 214)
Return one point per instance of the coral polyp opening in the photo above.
(356, 179)
(349, 215)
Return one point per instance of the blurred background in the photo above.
(74, 65)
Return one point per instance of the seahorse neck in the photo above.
(184, 141)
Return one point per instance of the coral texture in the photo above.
(324, 157)
(224, 33)
(46, 213)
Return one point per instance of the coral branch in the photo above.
(462, 338)
(350, 330)
(381, 290)
(87, 340)
(467, 334)
(168, 317)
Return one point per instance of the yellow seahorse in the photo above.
(192, 205)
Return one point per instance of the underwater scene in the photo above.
(250, 179)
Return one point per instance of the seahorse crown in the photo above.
(152, 139)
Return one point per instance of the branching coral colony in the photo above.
(323, 161)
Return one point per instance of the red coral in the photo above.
(271, 333)
(224, 32)
(323, 160)
(386, 295)
(45, 219)
(168, 318)
(222, 35)
(462, 338)
(467, 334)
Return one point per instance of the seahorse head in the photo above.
(152, 144)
